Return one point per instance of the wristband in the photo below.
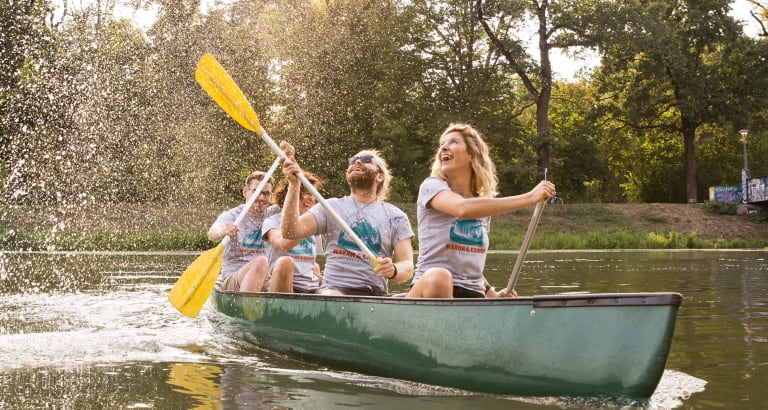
(394, 275)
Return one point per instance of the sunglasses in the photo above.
(265, 194)
(365, 159)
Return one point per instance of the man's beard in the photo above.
(362, 181)
(258, 208)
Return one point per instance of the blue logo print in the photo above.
(253, 240)
(306, 247)
(467, 232)
(367, 233)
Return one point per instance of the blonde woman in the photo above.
(454, 207)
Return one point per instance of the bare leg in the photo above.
(282, 275)
(316, 272)
(435, 283)
(254, 274)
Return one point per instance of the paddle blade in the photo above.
(191, 291)
(222, 88)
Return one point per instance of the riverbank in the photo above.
(124, 227)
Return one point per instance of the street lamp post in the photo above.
(745, 170)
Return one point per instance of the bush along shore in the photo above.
(131, 227)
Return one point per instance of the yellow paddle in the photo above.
(526, 242)
(194, 286)
(222, 88)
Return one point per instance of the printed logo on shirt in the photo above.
(467, 232)
(306, 247)
(253, 240)
(367, 233)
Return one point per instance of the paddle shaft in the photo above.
(526, 243)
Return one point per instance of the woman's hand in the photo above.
(492, 293)
(290, 166)
(231, 230)
(543, 191)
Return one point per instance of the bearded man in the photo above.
(383, 227)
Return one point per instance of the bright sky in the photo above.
(565, 67)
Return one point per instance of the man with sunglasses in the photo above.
(384, 228)
(244, 267)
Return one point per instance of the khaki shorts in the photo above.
(232, 283)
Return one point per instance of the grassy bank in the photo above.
(129, 227)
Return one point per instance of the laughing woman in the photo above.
(292, 266)
(453, 210)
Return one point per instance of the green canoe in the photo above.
(613, 345)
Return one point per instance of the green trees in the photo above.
(344, 81)
(505, 23)
(666, 74)
(466, 79)
(26, 118)
(94, 110)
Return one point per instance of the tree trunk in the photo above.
(542, 96)
(689, 132)
(542, 129)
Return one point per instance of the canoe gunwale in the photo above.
(543, 301)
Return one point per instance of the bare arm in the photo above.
(404, 256)
(218, 231)
(293, 225)
(276, 239)
(451, 203)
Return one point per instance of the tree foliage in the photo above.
(662, 89)
(95, 110)
(26, 64)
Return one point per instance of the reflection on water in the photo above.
(96, 330)
(199, 381)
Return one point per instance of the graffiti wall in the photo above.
(758, 192)
(725, 194)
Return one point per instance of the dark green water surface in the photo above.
(84, 330)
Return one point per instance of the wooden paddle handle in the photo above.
(524, 248)
(526, 241)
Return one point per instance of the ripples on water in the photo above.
(96, 330)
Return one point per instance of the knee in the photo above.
(282, 269)
(284, 263)
(258, 263)
(438, 278)
(434, 283)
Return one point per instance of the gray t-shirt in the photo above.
(248, 242)
(459, 245)
(380, 225)
(303, 256)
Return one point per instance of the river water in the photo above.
(95, 330)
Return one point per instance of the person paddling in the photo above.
(292, 266)
(244, 267)
(454, 207)
(383, 228)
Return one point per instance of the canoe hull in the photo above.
(587, 345)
